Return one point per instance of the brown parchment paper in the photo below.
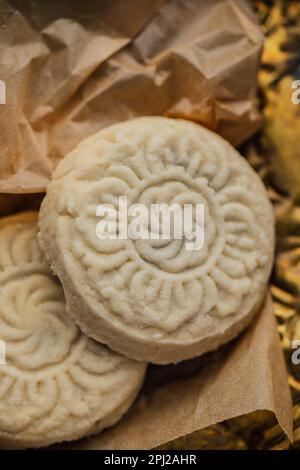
(242, 377)
(73, 67)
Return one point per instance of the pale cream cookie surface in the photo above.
(153, 300)
(57, 384)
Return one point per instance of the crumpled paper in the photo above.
(242, 377)
(73, 67)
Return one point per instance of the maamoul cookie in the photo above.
(146, 299)
(57, 383)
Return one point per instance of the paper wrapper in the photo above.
(74, 67)
(242, 377)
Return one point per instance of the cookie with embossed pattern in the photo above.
(155, 300)
(57, 384)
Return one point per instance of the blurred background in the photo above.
(275, 154)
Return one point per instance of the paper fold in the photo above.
(72, 71)
(245, 376)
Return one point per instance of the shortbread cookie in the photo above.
(57, 384)
(148, 299)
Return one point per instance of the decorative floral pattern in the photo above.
(56, 382)
(154, 283)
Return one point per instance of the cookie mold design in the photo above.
(57, 383)
(166, 303)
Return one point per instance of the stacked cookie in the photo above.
(76, 354)
(57, 383)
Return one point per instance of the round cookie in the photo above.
(152, 300)
(57, 384)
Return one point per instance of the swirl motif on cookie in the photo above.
(57, 384)
(157, 289)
